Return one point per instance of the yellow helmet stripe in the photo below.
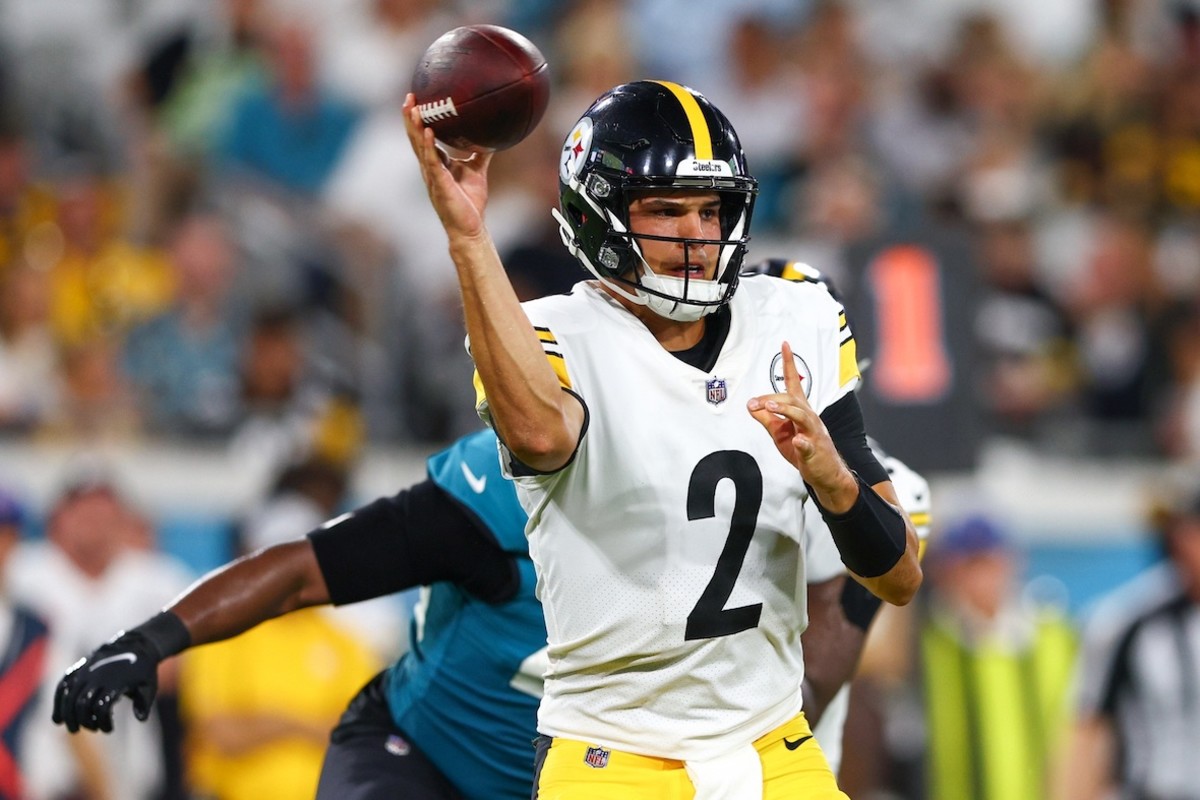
(695, 116)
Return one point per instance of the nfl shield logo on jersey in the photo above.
(596, 757)
(716, 391)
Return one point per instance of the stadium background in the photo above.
(1042, 162)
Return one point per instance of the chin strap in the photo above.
(567, 234)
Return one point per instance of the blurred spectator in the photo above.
(290, 408)
(96, 403)
(1115, 303)
(369, 50)
(184, 363)
(764, 95)
(836, 83)
(29, 382)
(591, 51)
(525, 181)
(286, 131)
(688, 42)
(23, 203)
(923, 133)
(197, 106)
(1025, 336)
(23, 650)
(836, 205)
(100, 281)
(398, 271)
(996, 667)
(71, 55)
(259, 708)
(1100, 122)
(1137, 716)
(903, 32)
(85, 580)
(178, 94)
(1178, 423)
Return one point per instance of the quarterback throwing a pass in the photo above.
(665, 424)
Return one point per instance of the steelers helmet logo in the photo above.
(779, 384)
(575, 150)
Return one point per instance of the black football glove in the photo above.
(125, 665)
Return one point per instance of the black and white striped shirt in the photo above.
(1141, 670)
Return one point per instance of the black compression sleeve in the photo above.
(844, 421)
(418, 537)
(858, 604)
(871, 536)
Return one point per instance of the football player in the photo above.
(666, 526)
(473, 672)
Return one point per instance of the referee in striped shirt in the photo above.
(1137, 729)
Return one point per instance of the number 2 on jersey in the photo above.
(710, 618)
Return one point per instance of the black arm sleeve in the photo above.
(844, 420)
(418, 537)
(859, 605)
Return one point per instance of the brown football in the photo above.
(481, 87)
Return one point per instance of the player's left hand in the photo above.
(126, 665)
(801, 436)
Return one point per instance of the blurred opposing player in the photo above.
(472, 676)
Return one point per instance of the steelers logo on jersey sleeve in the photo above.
(779, 384)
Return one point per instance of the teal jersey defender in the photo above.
(468, 690)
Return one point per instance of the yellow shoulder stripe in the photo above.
(560, 369)
(847, 362)
(557, 362)
(700, 134)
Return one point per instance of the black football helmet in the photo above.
(652, 135)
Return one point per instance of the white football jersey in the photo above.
(669, 550)
(912, 490)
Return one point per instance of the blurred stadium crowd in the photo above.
(213, 232)
(209, 227)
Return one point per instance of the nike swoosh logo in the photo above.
(797, 743)
(478, 484)
(130, 657)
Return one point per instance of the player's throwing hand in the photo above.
(458, 188)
